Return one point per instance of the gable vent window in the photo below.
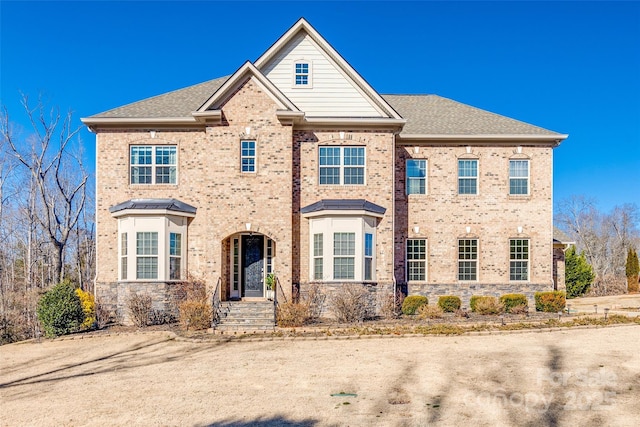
(302, 74)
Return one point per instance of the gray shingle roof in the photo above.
(435, 115)
(425, 114)
(150, 204)
(560, 236)
(179, 103)
(343, 205)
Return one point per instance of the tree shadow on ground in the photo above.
(276, 421)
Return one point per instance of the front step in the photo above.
(246, 316)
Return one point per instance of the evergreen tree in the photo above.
(632, 270)
(578, 273)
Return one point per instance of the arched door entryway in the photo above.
(251, 260)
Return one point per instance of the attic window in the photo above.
(302, 74)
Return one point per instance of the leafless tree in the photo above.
(604, 237)
(58, 177)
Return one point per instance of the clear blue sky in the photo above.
(572, 67)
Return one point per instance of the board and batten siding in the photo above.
(332, 93)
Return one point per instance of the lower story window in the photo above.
(175, 256)
(368, 256)
(468, 259)
(124, 264)
(344, 251)
(417, 259)
(146, 255)
(318, 250)
(519, 259)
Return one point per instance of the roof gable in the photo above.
(335, 89)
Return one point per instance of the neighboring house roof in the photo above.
(154, 204)
(343, 205)
(560, 237)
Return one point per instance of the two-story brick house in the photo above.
(294, 164)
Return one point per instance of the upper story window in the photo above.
(152, 164)
(341, 165)
(416, 176)
(248, 156)
(467, 176)
(468, 259)
(302, 74)
(519, 177)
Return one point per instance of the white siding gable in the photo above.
(331, 92)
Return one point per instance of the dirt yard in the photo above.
(586, 377)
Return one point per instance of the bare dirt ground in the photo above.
(586, 377)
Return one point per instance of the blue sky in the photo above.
(572, 67)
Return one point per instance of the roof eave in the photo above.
(556, 139)
(150, 212)
(94, 123)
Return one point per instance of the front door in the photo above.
(252, 266)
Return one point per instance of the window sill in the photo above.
(152, 186)
(519, 197)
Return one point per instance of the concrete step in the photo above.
(246, 316)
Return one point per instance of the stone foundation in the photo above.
(465, 292)
(115, 296)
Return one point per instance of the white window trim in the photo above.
(477, 177)
(163, 225)
(477, 260)
(342, 166)
(328, 225)
(426, 259)
(254, 157)
(528, 260)
(309, 74)
(528, 178)
(408, 179)
(153, 164)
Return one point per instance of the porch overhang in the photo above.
(337, 207)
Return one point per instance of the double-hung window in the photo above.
(467, 176)
(468, 259)
(124, 263)
(368, 256)
(341, 165)
(318, 251)
(519, 177)
(175, 256)
(146, 255)
(519, 259)
(416, 259)
(416, 176)
(153, 164)
(248, 156)
(302, 74)
(344, 255)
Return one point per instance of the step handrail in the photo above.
(216, 304)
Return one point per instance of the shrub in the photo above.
(292, 314)
(350, 303)
(430, 312)
(88, 308)
(489, 305)
(578, 273)
(314, 300)
(473, 301)
(512, 301)
(103, 315)
(412, 303)
(60, 310)
(391, 307)
(552, 301)
(520, 309)
(139, 307)
(195, 315)
(449, 303)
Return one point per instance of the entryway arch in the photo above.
(249, 258)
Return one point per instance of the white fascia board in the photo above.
(486, 137)
(234, 82)
(341, 212)
(151, 212)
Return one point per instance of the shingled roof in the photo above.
(425, 114)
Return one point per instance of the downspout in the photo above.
(393, 223)
(95, 218)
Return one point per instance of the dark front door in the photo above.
(252, 266)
